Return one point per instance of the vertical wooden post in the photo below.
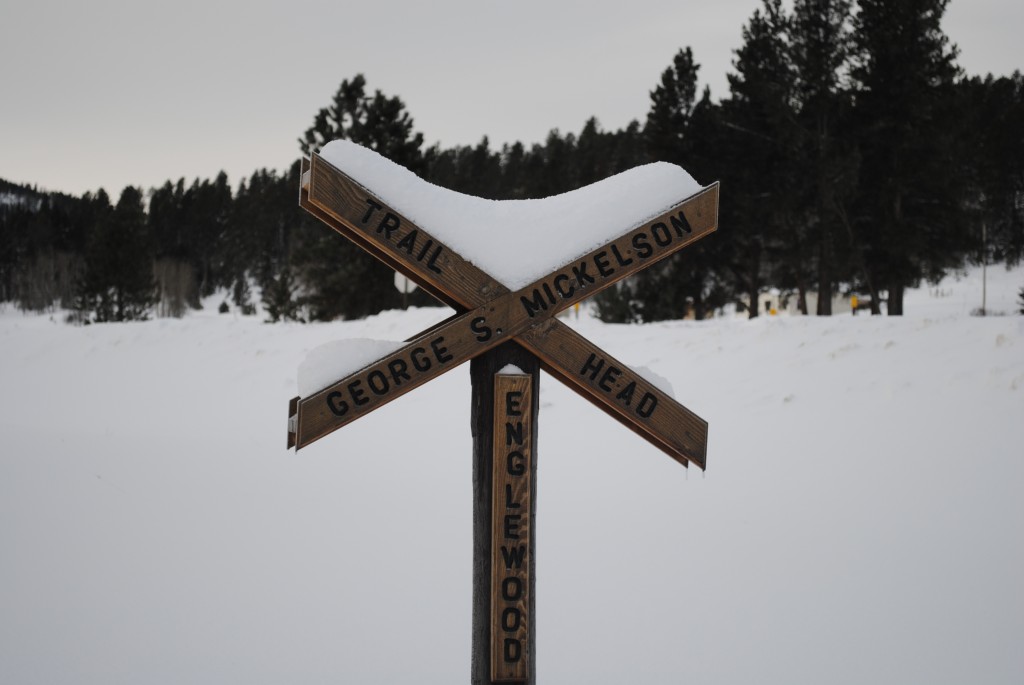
(482, 371)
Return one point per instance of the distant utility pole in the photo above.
(984, 268)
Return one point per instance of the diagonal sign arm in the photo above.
(565, 354)
(572, 359)
(619, 391)
(512, 314)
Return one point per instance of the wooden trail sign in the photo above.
(500, 614)
(492, 327)
(497, 315)
(511, 531)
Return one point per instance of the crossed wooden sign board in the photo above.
(487, 315)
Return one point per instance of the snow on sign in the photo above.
(490, 314)
(507, 268)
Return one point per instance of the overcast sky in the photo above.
(108, 93)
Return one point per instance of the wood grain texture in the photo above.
(293, 413)
(425, 357)
(341, 197)
(619, 391)
(455, 281)
(392, 260)
(563, 353)
(483, 370)
(511, 526)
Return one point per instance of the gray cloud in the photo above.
(110, 93)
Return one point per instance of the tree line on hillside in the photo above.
(853, 154)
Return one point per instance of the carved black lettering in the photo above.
(551, 295)
(581, 275)
(626, 394)
(593, 365)
(604, 267)
(511, 589)
(373, 207)
(480, 327)
(559, 280)
(337, 405)
(535, 305)
(432, 262)
(388, 225)
(512, 524)
(513, 400)
(398, 369)
(513, 432)
(513, 557)
(659, 232)
(408, 241)
(516, 464)
(440, 352)
(607, 382)
(618, 257)
(681, 224)
(509, 502)
(513, 650)
(378, 382)
(356, 393)
(423, 252)
(420, 360)
(642, 246)
(511, 617)
(647, 405)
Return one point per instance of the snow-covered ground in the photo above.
(860, 520)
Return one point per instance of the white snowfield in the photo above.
(519, 241)
(859, 522)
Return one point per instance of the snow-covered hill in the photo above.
(860, 520)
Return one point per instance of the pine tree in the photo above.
(672, 104)
(993, 144)
(910, 203)
(680, 129)
(759, 149)
(118, 283)
(279, 298)
(378, 122)
(471, 170)
(820, 44)
(341, 279)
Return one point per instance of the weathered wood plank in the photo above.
(619, 391)
(483, 372)
(422, 359)
(374, 250)
(425, 257)
(293, 418)
(473, 333)
(511, 527)
(675, 429)
(679, 433)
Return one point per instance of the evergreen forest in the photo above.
(855, 156)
